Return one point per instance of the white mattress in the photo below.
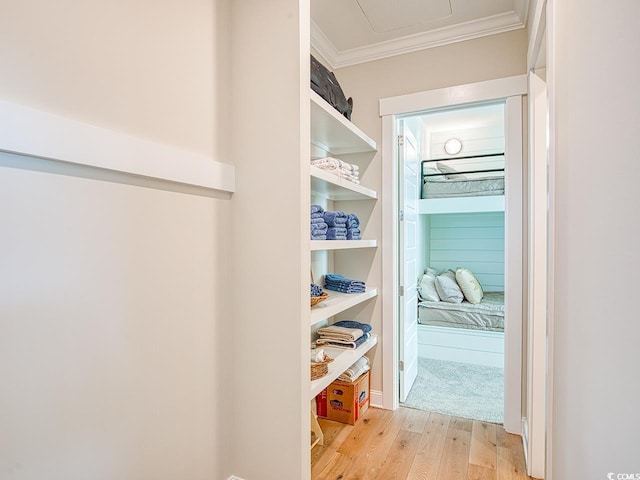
(487, 315)
(468, 187)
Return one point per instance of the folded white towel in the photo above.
(354, 371)
(338, 167)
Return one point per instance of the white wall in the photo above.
(476, 60)
(593, 75)
(270, 256)
(114, 318)
(470, 240)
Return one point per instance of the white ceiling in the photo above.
(347, 32)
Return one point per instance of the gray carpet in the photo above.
(460, 389)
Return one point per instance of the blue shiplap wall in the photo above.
(471, 240)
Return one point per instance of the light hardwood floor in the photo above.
(412, 444)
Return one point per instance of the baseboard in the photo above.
(375, 399)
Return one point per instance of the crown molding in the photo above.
(492, 25)
(323, 45)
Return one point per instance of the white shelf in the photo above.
(342, 359)
(333, 132)
(339, 302)
(51, 143)
(489, 203)
(342, 244)
(327, 185)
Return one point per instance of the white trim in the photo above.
(233, 477)
(489, 90)
(376, 399)
(537, 274)
(551, 155)
(525, 440)
(476, 347)
(500, 23)
(35, 133)
(488, 203)
(389, 207)
(536, 32)
(513, 251)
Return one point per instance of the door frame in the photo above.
(511, 90)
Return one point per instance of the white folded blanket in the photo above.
(340, 333)
(338, 167)
(355, 370)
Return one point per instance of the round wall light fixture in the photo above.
(453, 146)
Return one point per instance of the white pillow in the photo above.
(448, 169)
(427, 288)
(469, 285)
(431, 271)
(447, 288)
(434, 171)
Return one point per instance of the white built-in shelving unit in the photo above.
(339, 302)
(334, 135)
(317, 245)
(342, 359)
(332, 187)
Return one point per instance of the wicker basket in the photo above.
(321, 298)
(320, 369)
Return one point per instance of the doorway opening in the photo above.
(509, 91)
(451, 238)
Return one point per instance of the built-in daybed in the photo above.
(463, 332)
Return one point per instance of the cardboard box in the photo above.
(344, 402)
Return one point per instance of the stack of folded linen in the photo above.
(338, 167)
(318, 225)
(338, 283)
(352, 373)
(337, 225)
(353, 227)
(344, 334)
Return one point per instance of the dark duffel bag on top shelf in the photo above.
(325, 84)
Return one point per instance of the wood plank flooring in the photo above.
(411, 444)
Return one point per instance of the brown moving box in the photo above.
(344, 402)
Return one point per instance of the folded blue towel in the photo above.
(319, 226)
(345, 289)
(337, 278)
(345, 284)
(365, 327)
(317, 216)
(338, 283)
(335, 219)
(352, 221)
(318, 237)
(318, 220)
(336, 233)
(316, 209)
(353, 234)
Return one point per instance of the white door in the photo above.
(408, 301)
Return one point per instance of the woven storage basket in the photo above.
(320, 369)
(321, 298)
